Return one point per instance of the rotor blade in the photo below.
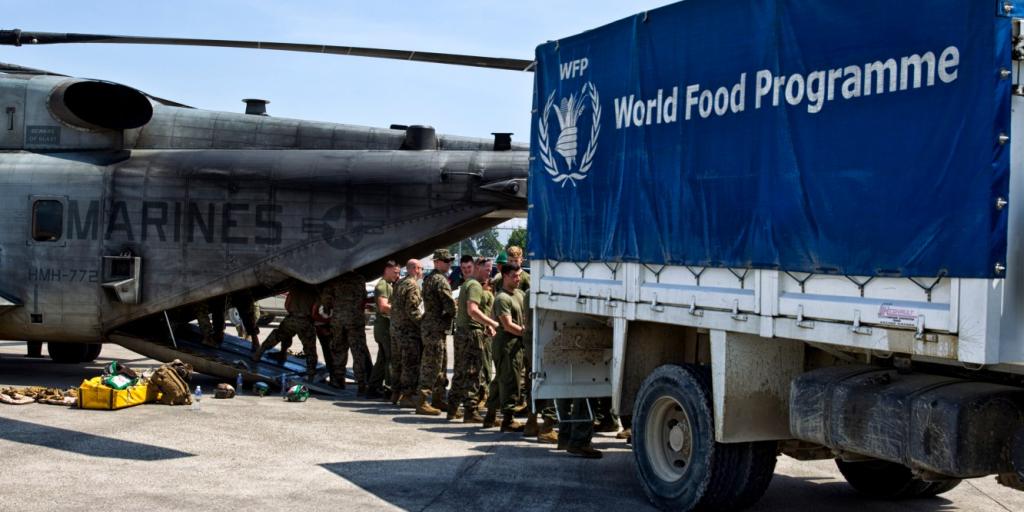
(18, 37)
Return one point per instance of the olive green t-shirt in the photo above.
(524, 281)
(471, 290)
(508, 304)
(382, 290)
(487, 303)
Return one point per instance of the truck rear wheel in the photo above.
(890, 481)
(679, 463)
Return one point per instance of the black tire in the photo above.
(886, 480)
(713, 476)
(937, 488)
(67, 353)
(92, 352)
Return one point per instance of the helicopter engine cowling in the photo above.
(99, 105)
(57, 113)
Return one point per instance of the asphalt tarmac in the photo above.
(252, 453)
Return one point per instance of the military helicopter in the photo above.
(126, 209)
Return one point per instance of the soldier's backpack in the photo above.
(173, 389)
(184, 370)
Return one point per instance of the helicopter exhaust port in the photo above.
(420, 137)
(97, 105)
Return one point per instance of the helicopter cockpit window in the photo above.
(47, 220)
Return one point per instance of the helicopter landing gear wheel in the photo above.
(73, 353)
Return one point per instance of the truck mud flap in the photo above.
(942, 425)
(227, 361)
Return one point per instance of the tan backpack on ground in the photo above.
(173, 388)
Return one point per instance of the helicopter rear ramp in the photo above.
(226, 361)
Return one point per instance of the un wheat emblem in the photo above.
(568, 113)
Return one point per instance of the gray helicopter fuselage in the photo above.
(102, 227)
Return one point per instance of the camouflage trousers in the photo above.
(212, 330)
(325, 336)
(469, 346)
(248, 313)
(382, 375)
(349, 335)
(486, 363)
(395, 359)
(291, 326)
(408, 340)
(433, 363)
(506, 390)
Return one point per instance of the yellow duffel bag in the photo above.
(93, 394)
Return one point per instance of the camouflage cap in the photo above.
(443, 255)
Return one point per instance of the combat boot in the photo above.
(395, 395)
(626, 433)
(509, 423)
(490, 418)
(440, 404)
(587, 452)
(608, 424)
(453, 412)
(531, 429)
(482, 404)
(546, 433)
(361, 390)
(424, 406)
(519, 408)
(473, 416)
(407, 402)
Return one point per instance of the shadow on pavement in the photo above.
(82, 443)
(786, 492)
(504, 477)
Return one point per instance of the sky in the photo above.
(352, 90)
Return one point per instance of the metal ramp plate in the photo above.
(228, 360)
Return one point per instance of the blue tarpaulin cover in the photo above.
(860, 138)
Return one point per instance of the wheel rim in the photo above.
(668, 439)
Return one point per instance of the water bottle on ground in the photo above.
(196, 398)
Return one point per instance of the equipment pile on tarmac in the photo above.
(27, 395)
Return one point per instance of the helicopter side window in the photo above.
(47, 220)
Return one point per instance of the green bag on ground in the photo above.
(297, 393)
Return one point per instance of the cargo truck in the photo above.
(787, 227)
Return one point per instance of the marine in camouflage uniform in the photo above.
(212, 330)
(299, 322)
(514, 256)
(469, 344)
(405, 331)
(248, 313)
(382, 375)
(345, 296)
(508, 354)
(487, 352)
(438, 314)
